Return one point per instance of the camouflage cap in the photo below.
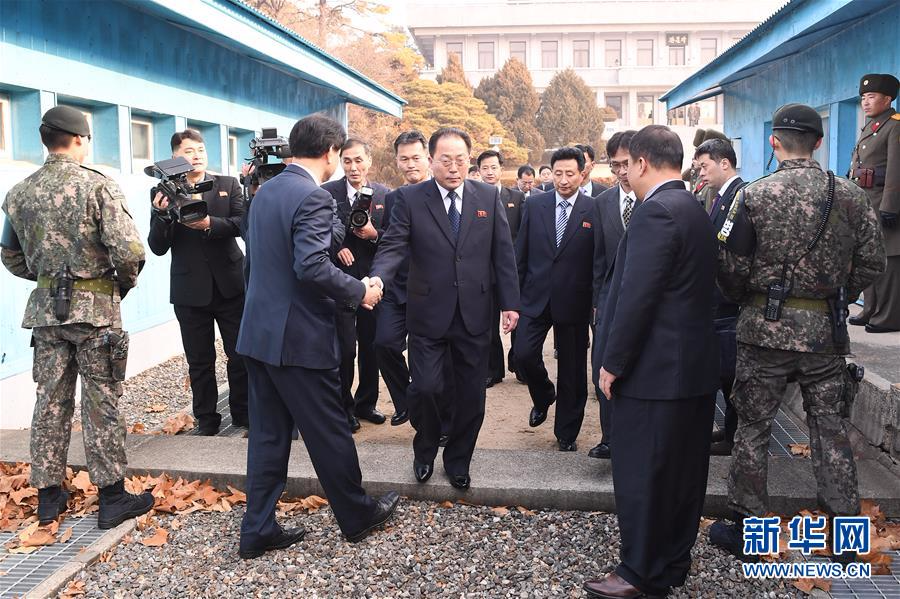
(68, 119)
(798, 117)
(882, 83)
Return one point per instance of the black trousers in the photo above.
(356, 333)
(428, 369)
(279, 397)
(570, 394)
(659, 472)
(199, 340)
(390, 342)
(725, 330)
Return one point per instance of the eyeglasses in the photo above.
(614, 166)
(460, 161)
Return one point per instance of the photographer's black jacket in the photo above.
(363, 249)
(199, 258)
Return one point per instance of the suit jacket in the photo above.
(657, 325)
(548, 186)
(723, 307)
(396, 290)
(563, 276)
(200, 259)
(445, 273)
(289, 310)
(597, 189)
(607, 235)
(512, 200)
(363, 249)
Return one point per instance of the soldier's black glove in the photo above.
(888, 219)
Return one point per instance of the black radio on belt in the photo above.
(775, 297)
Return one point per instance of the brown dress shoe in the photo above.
(613, 586)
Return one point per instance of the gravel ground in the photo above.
(428, 551)
(160, 392)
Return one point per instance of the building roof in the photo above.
(236, 25)
(794, 27)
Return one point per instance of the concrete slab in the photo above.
(532, 479)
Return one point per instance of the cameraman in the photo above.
(354, 257)
(207, 283)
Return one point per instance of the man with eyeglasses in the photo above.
(454, 233)
(614, 207)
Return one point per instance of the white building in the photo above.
(629, 52)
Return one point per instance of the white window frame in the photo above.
(483, 53)
(139, 163)
(606, 51)
(638, 51)
(547, 53)
(233, 166)
(5, 127)
(586, 51)
(524, 58)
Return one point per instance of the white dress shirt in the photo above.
(459, 197)
(351, 191)
(727, 183)
(571, 202)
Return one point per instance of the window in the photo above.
(485, 55)
(613, 50)
(518, 50)
(645, 105)
(676, 56)
(233, 167)
(709, 112)
(581, 58)
(645, 53)
(709, 47)
(615, 102)
(89, 159)
(549, 55)
(141, 139)
(5, 128)
(455, 48)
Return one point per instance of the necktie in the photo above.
(453, 214)
(561, 220)
(626, 212)
(715, 205)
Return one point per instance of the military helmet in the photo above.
(798, 117)
(66, 119)
(879, 82)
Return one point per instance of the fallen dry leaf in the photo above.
(75, 588)
(178, 423)
(22, 549)
(800, 449)
(155, 408)
(137, 428)
(500, 510)
(39, 538)
(82, 482)
(524, 511)
(160, 538)
(64, 537)
(446, 504)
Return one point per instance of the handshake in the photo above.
(374, 292)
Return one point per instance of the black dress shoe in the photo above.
(354, 423)
(601, 451)
(285, 539)
(521, 378)
(384, 509)
(857, 321)
(442, 442)
(399, 418)
(423, 471)
(375, 417)
(536, 417)
(874, 328)
(491, 381)
(206, 430)
(614, 587)
(241, 422)
(567, 445)
(460, 481)
(717, 435)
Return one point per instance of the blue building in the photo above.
(141, 70)
(809, 51)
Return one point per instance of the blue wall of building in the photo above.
(114, 61)
(825, 76)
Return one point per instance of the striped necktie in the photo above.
(561, 221)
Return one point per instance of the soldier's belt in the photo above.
(798, 303)
(868, 177)
(102, 286)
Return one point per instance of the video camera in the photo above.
(173, 184)
(359, 214)
(268, 144)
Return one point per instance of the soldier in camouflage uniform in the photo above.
(67, 227)
(780, 215)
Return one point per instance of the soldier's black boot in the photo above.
(730, 537)
(52, 501)
(116, 505)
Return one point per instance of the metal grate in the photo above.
(227, 429)
(25, 572)
(885, 586)
(785, 430)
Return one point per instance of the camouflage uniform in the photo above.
(785, 210)
(66, 214)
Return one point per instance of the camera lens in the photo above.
(359, 218)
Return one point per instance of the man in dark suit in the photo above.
(614, 209)
(717, 162)
(455, 233)
(490, 165)
(588, 186)
(525, 179)
(659, 367)
(555, 256)
(545, 173)
(207, 283)
(289, 339)
(356, 326)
